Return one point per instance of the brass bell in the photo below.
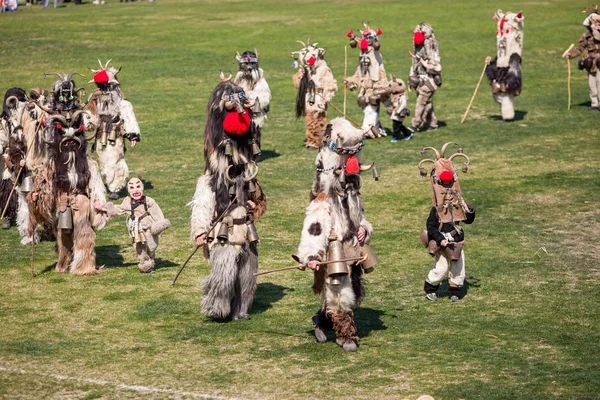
(465, 168)
(232, 190)
(335, 280)
(342, 177)
(223, 235)
(335, 252)
(370, 259)
(252, 234)
(338, 143)
(103, 138)
(27, 184)
(311, 99)
(65, 219)
(228, 148)
(375, 172)
(255, 148)
(112, 136)
(240, 107)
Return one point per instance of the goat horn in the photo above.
(466, 165)
(43, 107)
(58, 117)
(228, 177)
(443, 149)
(106, 66)
(60, 75)
(238, 56)
(364, 168)
(437, 153)
(12, 101)
(324, 51)
(43, 137)
(101, 66)
(90, 137)
(74, 73)
(251, 177)
(421, 169)
(302, 43)
(256, 52)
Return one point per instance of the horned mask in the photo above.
(310, 55)
(509, 35)
(64, 94)
(446, 195)
(369, 38)
(105, 76)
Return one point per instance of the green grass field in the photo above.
(528, 327)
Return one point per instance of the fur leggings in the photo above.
(76, 253)
(113, 165)
(229, 289)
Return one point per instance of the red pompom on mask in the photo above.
(352, 166)
(520, 15)
(446, 177)
(311, 61)
(101, 77)
(419, 38)
(364, 45)
(379, 31)
(350, 34)
(236, 123)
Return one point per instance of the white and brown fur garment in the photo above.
(251, 78)
(335, 206)
(229, 289)
(110, 110)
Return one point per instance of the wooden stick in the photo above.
(568, 76)
(32, 254)
(303, 266)
(345, 74)
(19, 173)
(197, 247)
(474, 93)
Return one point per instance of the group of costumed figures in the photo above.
(47, 137)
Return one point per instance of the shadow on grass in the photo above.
(160, 263)
(110, 257)
(367, 320)
(519, 116)
(470, 282)
(266, 154)
(266, 295)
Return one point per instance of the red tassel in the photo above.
(58, 126)
(508, 30)
(43, 121)
(82, 128)
(352, 166)
(101, 77)
(502, 23)
(236, 123)
(520, 15)
(350, 34)
(379, 31)
(364, 45)
(311, 60)
(496, 33)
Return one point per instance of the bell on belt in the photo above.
(311, 99)
(252, 234)
(112, 136)
(223, 235)
(27, 184)
(370, 259)
(228, 149)
(103, 138)
(335, 269)
(65, 219)
(255, 149)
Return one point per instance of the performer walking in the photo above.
(229, 177)
(335, 228)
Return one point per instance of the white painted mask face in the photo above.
(135, 187)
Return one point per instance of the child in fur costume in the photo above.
(335, 228)
(504, 71)
(444, 237)
(369, 78)
(589, 43)
(316, 87)
(398, 110)
(145, 222)
(115, 121)
(229, 198)
(425, 76)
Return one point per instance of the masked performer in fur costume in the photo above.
(251, 78)
(335, 228)
(444, 237)
(115, 121)
(145, 222)
(369, 78)
(316, 87)
(228, 192)
(504, 71)
(425, 76)
(21, 123)
(398, 110)
(589, 43)
(68, 183)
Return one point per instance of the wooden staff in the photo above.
(569, 75)
(32, 253)
(474, 93)
(197, 247)
(19, 174)
(345, 74)
(303, 266)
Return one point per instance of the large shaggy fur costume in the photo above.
(443, 235)
(335, 214)
(229, 181)
(68, 182)
(425, 76)
(112, 113)
(504, 71)
(369, 78)
(251, 78)
(20, 122)
(316, 87)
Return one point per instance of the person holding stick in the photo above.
(335, 229)
(589, 45)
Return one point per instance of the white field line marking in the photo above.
(136, 388)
